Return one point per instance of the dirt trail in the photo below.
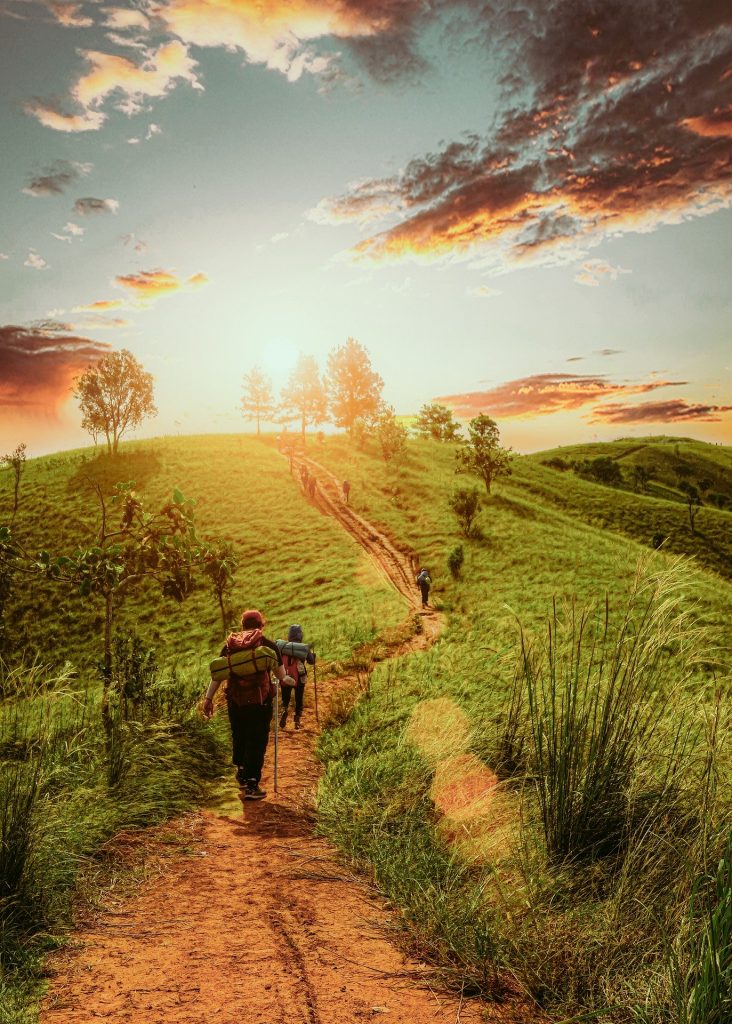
(258, 921)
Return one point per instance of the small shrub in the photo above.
(465, 504)
(658, 539)
(455, 561)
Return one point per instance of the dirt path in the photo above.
(258, 921)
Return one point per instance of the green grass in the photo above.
(583, 927)
(586, 933)
(295, 564)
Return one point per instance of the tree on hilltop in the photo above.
(114, 395)
(257, 402)
(436, 421)
(482, 453)
(304, 398)
(354, 388)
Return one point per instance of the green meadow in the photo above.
(586, 672)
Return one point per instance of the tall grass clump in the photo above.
(599, 700)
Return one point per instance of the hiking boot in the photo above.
(283, 719)
(298, 722)
(253, 791)
(241, 777)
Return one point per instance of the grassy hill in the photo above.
(295, 564)
(482, 891)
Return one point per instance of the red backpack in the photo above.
(254, 689)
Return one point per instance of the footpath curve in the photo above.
(257, 920)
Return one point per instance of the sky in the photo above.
(519, 207)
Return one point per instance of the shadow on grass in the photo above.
(515, 508)
(108, 470)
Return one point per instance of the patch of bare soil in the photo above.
(258, 921)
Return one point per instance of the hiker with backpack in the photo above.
(304, 477)
(249, 697)
(312, 487)
(295, 667)
(346, 491)
(424, 582)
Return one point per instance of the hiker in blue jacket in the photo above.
(424, 582)
(295, 668)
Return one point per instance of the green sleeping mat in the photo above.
(243, 663)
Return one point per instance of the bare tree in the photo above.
(305, 398)
(16, 461)
(256, 401)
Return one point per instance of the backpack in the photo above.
(248, 664)
(294, 667)
(424, 579)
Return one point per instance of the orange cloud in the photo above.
(616, 126)
(717, 125)
(545, 393)
(39, 365)
(131, 83)
(674, 411)
(276, 33)
(149, 285)
(99, 307)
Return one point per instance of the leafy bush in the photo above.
(455, 561)
(465, 504)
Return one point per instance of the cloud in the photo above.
(484, 291)
(88, 206)
(593, 271)
(34, 261)
(4, 256)
(55, 180)
(608, 352)
(120, 19)
(615, 118)
(149, 285)
(545, 393)
(100, 306)
(69, 14)
(99, 322)
(298, 37)
(128, 85)
(39, 365)
(674, 411)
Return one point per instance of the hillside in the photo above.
(294, 564)
(419, 790)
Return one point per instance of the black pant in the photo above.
(425, 590)
(299, 689)
(249, 736)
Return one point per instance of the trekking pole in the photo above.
(277, 727)
(315, 689)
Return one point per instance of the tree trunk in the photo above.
(257, 424)
(222, 609)
(107, 671)
(302, 427)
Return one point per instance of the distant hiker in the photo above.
(304, 477)
(312, 487)
(295, 668)
(346, 491)
(249, 703)
(424, 582)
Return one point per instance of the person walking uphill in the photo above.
(249, 702)
(424, 582)
(296, 668)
